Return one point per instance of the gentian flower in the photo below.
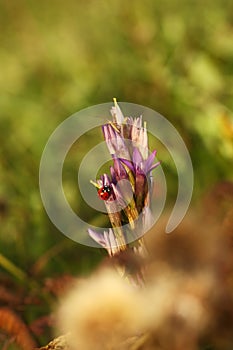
(126, 191)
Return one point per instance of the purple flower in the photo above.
(139, 135)
(115, 142)
(141, 169)
(106, 239)
(138, 164)
(118, 172)
(129, 184)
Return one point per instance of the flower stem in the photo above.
(12, 268)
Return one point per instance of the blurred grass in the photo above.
(59, 57)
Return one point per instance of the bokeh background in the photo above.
(58, 57)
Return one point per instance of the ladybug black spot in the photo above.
(104, 192)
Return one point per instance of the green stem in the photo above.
(12, 268)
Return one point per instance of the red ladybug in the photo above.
(104, 192)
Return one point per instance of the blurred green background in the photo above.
(58, 57)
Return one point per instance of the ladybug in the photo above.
(104, 192)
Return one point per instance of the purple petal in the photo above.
(135, 131)
(112, 132)
(105, 131)
(149, 161)
(108, 137)
(154, 166)
(137, 157)
(119, 197)
(128, 163)
(129, 120)
(115, 142)
(121, 148)
(106, 180)
(111, 244)
(117, 114)
(138, 122)
(125, 188)
(98, 237)
(113, 174)
(119, 169)
(143, 141)
(108, 244)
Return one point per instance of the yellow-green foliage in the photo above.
(57, 57)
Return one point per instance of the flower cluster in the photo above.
(126, 191)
